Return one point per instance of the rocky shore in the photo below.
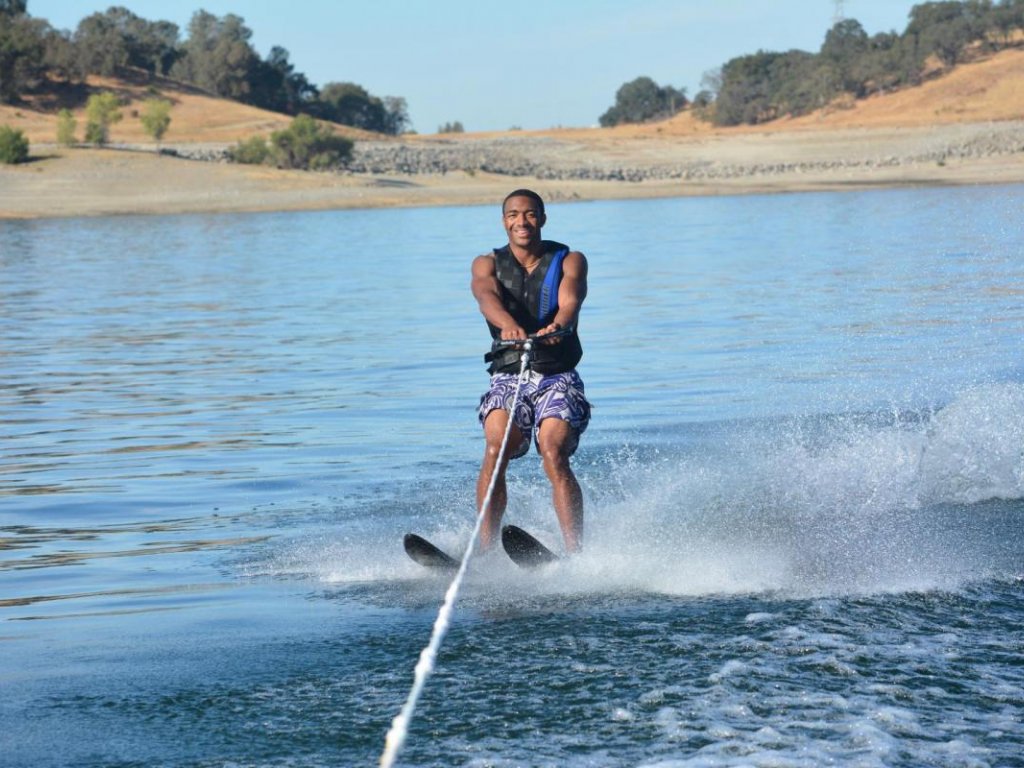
(556, 159)
(464, 170)
(961, 126)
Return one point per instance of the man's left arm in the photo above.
(571, 293)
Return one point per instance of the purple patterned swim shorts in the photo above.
(558, 396)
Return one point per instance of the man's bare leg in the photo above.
(494, 431)
(557, 440)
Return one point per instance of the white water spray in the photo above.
(399, 730)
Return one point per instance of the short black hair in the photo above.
(524, 193)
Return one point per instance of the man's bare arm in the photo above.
(487, 291)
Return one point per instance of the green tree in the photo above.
(766, 85)
(153, 45)
(13, 145)
(942, 28)
(845, 41)
(310, 145)
(396, 115)
(117, 38)
(800, 82)
(1008, 18)
(451, 127)
(744, 92)
(22, 54)
(351, 104)
(889, 61)
(101, 111)
(66, 127)
(156, 117)
(12, 7)
(101, 44)
(641, 100)
(844, 47)
(217, 55)
(274, 84)
(61, 57)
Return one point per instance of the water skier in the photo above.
(532, 287)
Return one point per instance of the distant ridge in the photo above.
(990, 89)
(980, 91)
(984, 90)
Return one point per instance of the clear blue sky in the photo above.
(494, 65)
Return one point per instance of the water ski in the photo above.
(426, 554)
(524, 550)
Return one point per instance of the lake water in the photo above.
(804, 487)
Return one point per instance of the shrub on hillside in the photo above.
(305, 145)
(308, 145)
(156, 117)
(252, 151)
(13, 145)
(101, 111)
(66, 127)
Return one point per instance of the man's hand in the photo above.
(513, 333)
(553, 328)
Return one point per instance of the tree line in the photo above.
(766, 85)
(216, 55)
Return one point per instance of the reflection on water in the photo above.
(34, 539)
(191, 588)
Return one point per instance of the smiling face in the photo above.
(523, 218)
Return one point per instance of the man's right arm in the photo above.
(487, 291)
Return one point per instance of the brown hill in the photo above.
(196, 117)
(980, 91)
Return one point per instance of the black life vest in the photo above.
(532, 300)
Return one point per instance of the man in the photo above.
(532, 287)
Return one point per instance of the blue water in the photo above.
(804, 486)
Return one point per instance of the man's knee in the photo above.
(493, 450)
(556, 441)
(514, 448)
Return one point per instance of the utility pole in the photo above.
(838, 13)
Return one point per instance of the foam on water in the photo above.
(646, 678)
(828, 505)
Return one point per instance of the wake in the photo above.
(826, 505)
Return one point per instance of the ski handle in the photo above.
(529, 341)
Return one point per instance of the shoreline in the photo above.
(421, 171)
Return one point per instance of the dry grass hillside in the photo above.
(981, 91)
(196, 117)
(992, 89)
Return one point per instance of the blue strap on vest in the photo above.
(549, 291)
